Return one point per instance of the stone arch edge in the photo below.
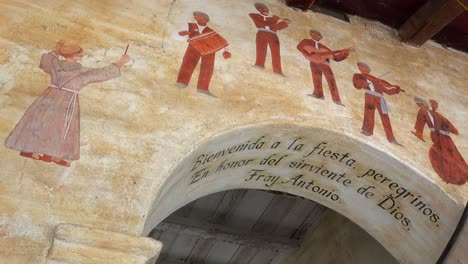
(179, 175)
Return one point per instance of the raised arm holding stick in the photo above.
(50, 129)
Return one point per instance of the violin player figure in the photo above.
(320, 56)
(268, 26)
(375, 88)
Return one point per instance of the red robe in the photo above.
(266, 36)
(317, 69)
(374, 100)
(445, 158)
(190, 61)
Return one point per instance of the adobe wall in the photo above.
(140, 134)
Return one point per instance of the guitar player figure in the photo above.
(319, 56)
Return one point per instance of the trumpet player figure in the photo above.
(268, 25)
(204, 42)
(374, 99)
(319, 56)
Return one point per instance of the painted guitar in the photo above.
(321, 55)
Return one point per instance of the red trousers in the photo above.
(190, 61)
(317, 71)
(372, 103)
(265, 39)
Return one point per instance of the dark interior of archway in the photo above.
(237, 226)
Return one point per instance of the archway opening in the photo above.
(397, 205)
(257, 226)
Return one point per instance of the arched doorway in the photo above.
(256, 226)
(388, 198)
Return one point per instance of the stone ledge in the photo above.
(78, 244)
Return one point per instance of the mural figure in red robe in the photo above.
(50, 129)
(204, 42)
(375, 89)
(268, 26)
(319, 56)
(445, 158)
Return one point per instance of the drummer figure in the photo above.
(204, 42)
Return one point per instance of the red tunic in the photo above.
(190, 61)
(445, 158)
(374, 100)
(266, 36)
(319, 69)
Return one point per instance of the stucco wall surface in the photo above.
(137, 128)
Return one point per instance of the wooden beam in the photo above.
(311, 222)
(433, 16)
(308, 4)
(171, 261)
(230, 201)
(200, 251)
(221, 233)
(305, 4)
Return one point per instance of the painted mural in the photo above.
(444, 155)
(50, 129)
(375, 88)
(319, 56)
(268, 25)
(204, 42)
(212, 75)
